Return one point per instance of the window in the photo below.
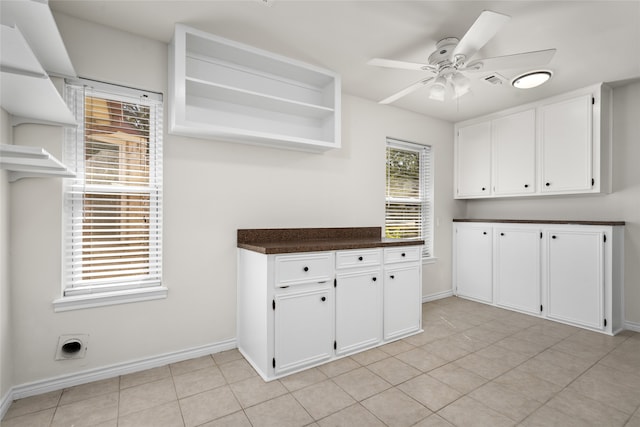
(113, 207)
(409, 195)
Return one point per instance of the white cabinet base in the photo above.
(569, 273)
(300, 310)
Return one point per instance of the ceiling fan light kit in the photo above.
(450, 62)
(531, 79)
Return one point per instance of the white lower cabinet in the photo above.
(571, 273)
(303, 309)
(575, 277)
(358, 310)
(402, 300)
(473, 268)
(517, 268)
(303, 328)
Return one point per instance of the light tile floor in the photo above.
(474, 365)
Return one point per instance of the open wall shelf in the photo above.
(24, 162)
(223, 89)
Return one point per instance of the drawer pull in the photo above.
(392, 276)
(360, 258)
(306, 268)
(374, 279)
(323, 299)
(403, 254)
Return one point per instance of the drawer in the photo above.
(358, 258)
(402, 254)
(303, 268)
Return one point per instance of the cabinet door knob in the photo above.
(484, 232)
(323, 299)
(392, 276)
(502, 234)
(306, 268)
(360, 258)
(553, 237)
(526, 186)
(548, 184)
(483, 188)
(374, 279)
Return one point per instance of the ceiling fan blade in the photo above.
(483, 30)
(391, 63)
(406, 91)
(519, 60)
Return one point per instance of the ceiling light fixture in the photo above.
(531, 79)
(461, 84)
(438, 88)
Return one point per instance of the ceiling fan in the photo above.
(450, 62)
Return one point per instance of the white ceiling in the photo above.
(596, 41)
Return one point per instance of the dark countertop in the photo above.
(541, 221)
(290, 240)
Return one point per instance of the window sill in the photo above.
(80, 302)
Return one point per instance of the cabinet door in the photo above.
(358, 310)
(473, 262)
(514, 153)
(575, 280)
(303, 329)
(565, 141)
(402, 300)
(473, 160)
(517, 269)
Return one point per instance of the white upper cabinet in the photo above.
(221, 89)
(514, 153)
(32, 50)
(473, 160)
(559, 145)
(565, 145)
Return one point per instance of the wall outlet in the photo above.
(72, 346)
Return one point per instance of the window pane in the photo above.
(117, 142)
(403, 174)
(403, 221)
(115, 235)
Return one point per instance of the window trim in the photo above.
(426, 187)
(130, 289)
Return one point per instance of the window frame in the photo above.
(426, 197)
(78, 293)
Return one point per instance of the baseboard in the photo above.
(70, 380)
(437, 296)
(632, 326)
(6, 401)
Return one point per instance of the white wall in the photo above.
(6, 352)
(622, 204)
(211, 189)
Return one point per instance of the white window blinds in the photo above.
(409, 198)
(114, 204)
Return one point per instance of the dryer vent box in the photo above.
(72, 346)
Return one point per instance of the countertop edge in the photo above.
(534, 221)
(311, 246)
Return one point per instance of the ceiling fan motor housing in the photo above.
(444, 49)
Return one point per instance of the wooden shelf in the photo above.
(26, 162)
(221, 88)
